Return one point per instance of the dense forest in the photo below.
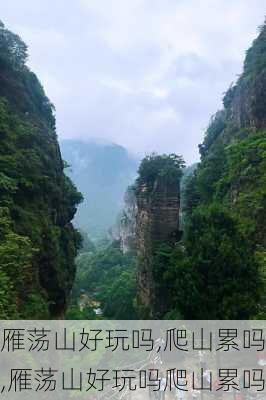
(106, 279)
(190, 242)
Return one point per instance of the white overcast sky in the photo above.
(146, 74)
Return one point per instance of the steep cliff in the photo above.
(232, 170)
(37, 201)
(124, 231)
(157, 222)
(244, 103)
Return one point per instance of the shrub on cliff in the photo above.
(169, 167)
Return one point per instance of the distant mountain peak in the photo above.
(102, 171)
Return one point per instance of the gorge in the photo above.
(147, 265)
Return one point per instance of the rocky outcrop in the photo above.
(245, 102)
(124, 231)
(128, 222)
(158, 211)
(247, 109)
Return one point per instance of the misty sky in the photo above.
(147, 74)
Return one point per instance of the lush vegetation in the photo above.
(37, 201)
(213, 273)
(155, 166)
(217, 271)
(108, 277)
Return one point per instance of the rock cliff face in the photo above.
(128, 222)
(37, 201)
(246, 102)
(158, 208)
(233, 148)
(124, 231)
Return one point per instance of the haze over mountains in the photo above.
(213, 266)
(101, 171)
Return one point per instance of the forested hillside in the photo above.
(219, 269)
(37, 201)
(106, 279)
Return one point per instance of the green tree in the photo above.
(108, 276)
(12, 49)
(217, 273)
(153, 166)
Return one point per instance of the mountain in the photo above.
(219, 270)
(233, 162)
(38, 243)
(102, 172)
